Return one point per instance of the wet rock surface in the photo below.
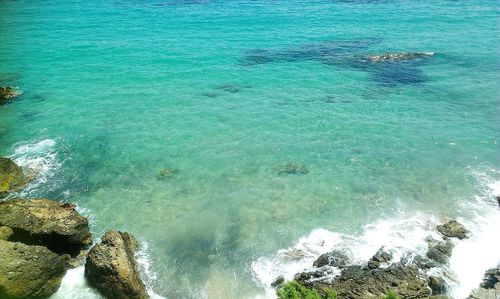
(453, 229)
(28, 271)
(12, 177)
(439, 251)
(335, 258)
(111, 267)
(59, 227)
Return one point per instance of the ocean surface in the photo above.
(176, 120)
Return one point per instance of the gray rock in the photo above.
(437, 285)
(111, 267)
(278, 282)
(28, 271)
(453, 229)
(491, 278)
(335, 258)
(439, 251)
(59, 227)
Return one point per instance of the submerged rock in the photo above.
(398, 56)
(59, 227)
(453, 229)
(28, 271)
(292, 168)
(112, 269)
(335, 258)
(167, 172)
(7, 93)
(12, 177)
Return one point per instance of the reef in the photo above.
(382, 275)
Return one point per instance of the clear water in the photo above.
(226, 92)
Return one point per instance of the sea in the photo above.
(238, 140)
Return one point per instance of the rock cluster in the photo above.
(381, 275)
(490, 287)
(38, 239)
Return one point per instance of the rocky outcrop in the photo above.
(334, 258)
(59, 227)
(490, 287)
(28, 271)
(453, 229)
(7, 93)
(362, 282)
(5, 233)
(12, 177)
(439, 251)
(111, 267)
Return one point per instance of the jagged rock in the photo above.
(453, 229)
(28, 271)
(423, 262)
(278, 282)
(437, 285)
(48, 223)
(312, 277)
(5, 232)
(291, 168)
(382, 256)
(491, 279)
(111, 267)
(12, 177)
(7, 93)
(398, 56)
(361, 282)
(439, 251)
(335, 258)
(497, 197)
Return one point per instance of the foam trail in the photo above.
(38, 158)
(74, 286)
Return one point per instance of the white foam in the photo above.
(39, 158)
(401, 236)
(74, 286)
(404, 236)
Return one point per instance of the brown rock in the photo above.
(111, 267)
(44, 222)
(29, 271)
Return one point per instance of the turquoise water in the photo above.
(226, 92)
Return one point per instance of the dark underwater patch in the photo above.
(388, 69)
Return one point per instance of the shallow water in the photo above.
(226, 93)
